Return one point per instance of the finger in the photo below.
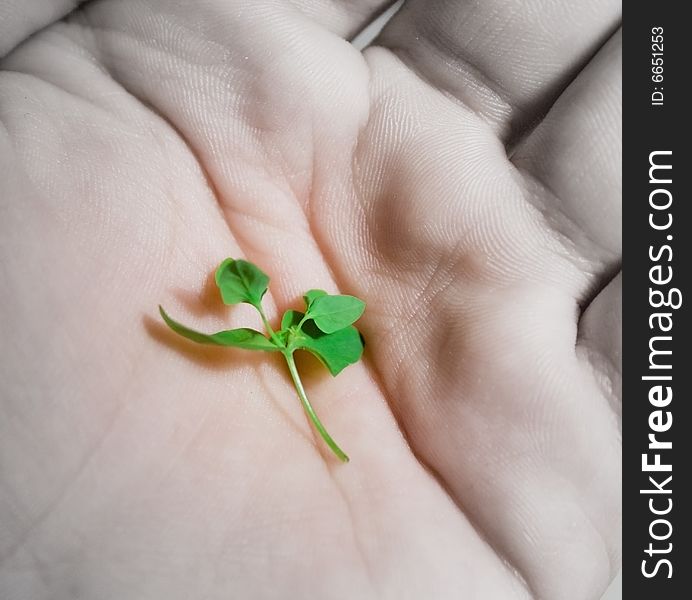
(575, 155)
(20, 18)
(600, 340)
(505, 59)
(343, 17)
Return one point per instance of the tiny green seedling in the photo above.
(325, 329)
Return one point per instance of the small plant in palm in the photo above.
(325, 329)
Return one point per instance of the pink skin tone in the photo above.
(145, 141)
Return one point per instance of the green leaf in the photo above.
(241, 281)
(239, 338)
(291, 318)
(311, 295)
(331, 313)
(335, 350)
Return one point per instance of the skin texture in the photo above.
(461, 175)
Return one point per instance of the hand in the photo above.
(461, 176)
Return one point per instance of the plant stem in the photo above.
(305, 318)
(308, 408)
(268, 327)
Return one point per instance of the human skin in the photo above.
(462, 176)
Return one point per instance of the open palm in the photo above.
(437, 175)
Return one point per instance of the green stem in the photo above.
(305, 318)
(268, 327)
(308, 408)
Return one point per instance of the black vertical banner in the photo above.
(657, 423)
